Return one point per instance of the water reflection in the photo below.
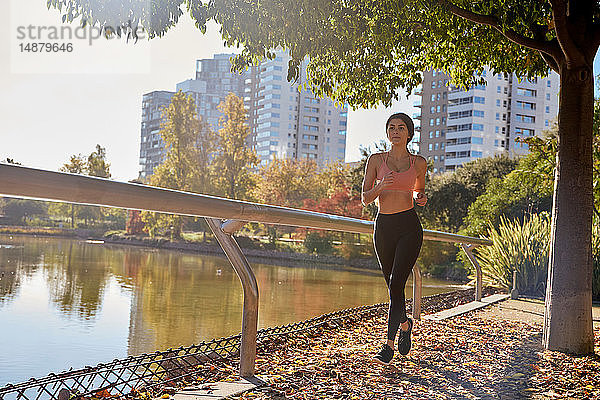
(70, 303)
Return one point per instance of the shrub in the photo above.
(523, 246)
(317, 242)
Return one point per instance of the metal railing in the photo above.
(17, 181)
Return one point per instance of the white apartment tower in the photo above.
(284, 122)
(458, 126)
(291, 123)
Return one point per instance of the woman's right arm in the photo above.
(370, 192)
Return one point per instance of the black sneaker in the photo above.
(404, 339)
(385, 355)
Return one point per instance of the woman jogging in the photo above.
(396, 179)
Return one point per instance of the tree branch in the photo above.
(539, 33)
(565, 41)
(552, 63)
(492, 21)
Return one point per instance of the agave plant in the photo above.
(521, 246)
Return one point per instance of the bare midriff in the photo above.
(393, 201)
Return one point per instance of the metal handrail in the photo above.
(18, 181)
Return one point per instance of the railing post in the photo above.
(467, 248)
(250, 311)
(417, 286)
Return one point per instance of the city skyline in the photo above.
(50, 116)
(80, 110)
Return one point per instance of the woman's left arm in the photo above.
(419, 195)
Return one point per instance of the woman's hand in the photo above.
(387, 181)
(420, 198)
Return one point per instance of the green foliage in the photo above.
(96, 163)
(318, 242)
(19, 210)
(521, 246)
(510, 197)
(234, 158)
(451, 194)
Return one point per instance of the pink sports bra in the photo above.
(403, 181)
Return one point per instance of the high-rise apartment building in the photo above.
(213, 82)
(151, 144)
(284, 122)
(211, 85)
(294, 124)
(458, 126)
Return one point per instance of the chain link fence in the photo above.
(127, 376)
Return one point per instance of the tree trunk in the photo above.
(568, 313)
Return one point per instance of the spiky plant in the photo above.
(521, 246)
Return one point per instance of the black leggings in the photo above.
(398, 238)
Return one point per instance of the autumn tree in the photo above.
(186, 139)
(363, 52)
(286, 182)
(94, 165)
(234, 158)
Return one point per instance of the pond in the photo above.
(69, 303)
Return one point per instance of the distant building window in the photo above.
(498, 89)
(430, 134)
(547, 109)
(477, 140)
(476, 154)
(549, 84)
(524, 131)
(430, 146)
(497, 102)
(478, 113)
(530, 119)
(477, 127)
(526, 92)
(525, 105)
(547, 96)
(480, 100)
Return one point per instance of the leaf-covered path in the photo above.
(467, 357)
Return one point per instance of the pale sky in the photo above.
(57, 104)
